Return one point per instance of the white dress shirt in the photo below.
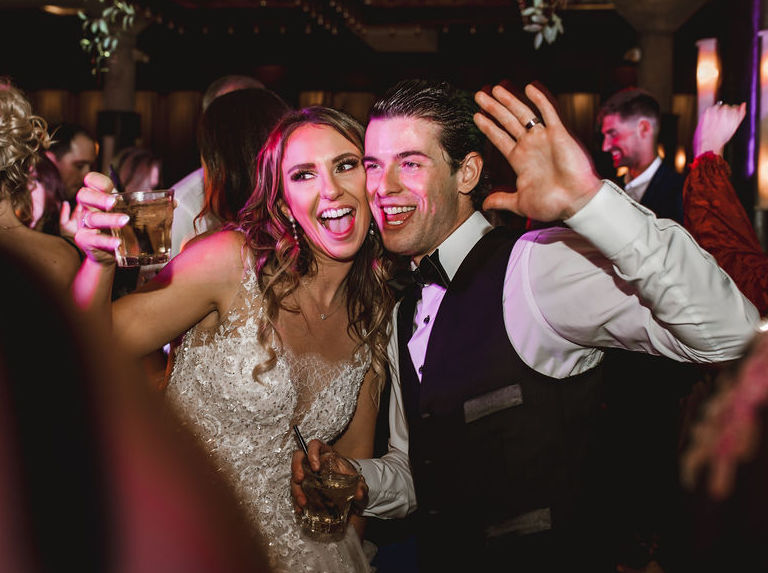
(637, 187)
(617, 277)
(189, 194)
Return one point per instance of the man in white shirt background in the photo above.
(495, 357)
(630, 121)
(189, 191)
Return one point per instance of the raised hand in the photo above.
(716, 127)
(555, 176)
(94, 200)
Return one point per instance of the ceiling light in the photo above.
(57, 10)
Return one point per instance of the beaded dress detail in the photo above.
(245, 424)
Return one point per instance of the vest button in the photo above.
(433, 512)
(426, 462)
(421, 369)
(425, 415)
(426, 319)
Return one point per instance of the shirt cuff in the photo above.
(611, 220)
(384, 502)
(357, 465)
(366, 468)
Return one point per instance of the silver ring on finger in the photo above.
(84, 220)
(531, 122)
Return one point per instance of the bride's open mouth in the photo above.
(338, 221)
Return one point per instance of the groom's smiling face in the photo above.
(412, 190)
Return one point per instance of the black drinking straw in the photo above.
(300, 439)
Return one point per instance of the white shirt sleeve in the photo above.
(390, 484)
(189, 197)
(620, 277)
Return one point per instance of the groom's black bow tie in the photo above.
(429, 271)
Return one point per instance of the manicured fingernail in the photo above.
(123, 219)
(111, 202)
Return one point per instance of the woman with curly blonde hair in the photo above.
(286, 320)
(22, 136)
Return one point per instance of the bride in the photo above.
(285, 315)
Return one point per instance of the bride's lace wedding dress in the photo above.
(246, 423)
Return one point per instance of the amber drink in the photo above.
(329, 499)
(146, 239)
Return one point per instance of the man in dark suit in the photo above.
(630, 121)
(640, 387)
(497, 343)
(73, 151)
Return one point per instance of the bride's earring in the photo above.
(293, 228)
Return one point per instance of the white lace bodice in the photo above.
(246, 424)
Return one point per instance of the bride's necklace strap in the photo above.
(328, 312)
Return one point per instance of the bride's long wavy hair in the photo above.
(280, 261)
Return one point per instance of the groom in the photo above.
(495, 362)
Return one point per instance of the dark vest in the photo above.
(496, 448)
(664, 194)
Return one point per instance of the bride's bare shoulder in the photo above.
(220, 254)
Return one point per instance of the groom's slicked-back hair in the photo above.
(444, 104)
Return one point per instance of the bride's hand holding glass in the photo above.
(96, 199)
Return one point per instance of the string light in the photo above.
(336, 14)
(330, 16)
